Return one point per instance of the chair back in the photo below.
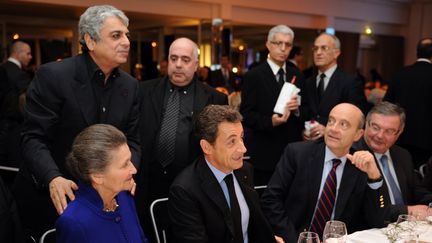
(48, 236)
(160, 219)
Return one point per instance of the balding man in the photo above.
(12, 76)
(168, 107)
(329, 86)
(317, 181)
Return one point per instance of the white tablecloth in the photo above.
(377, 236)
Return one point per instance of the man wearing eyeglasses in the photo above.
(328, 87)
(384, 123)
(267, 133)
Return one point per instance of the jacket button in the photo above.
(117, 219)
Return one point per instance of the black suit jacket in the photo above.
(342, 88)
(217, 80)
(260, 92)
(412, 190)
(152, 105)
(12, 78)
(60, 104)
(199, 211)
(292, 193)
(411, 88)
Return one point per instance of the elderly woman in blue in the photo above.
(103, 209)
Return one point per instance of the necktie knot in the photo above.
(384, 160)
(281, 74)
(322, 76)
(336, 163)
(228, 179)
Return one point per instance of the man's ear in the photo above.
(358, 135)
(90, 43)
(205, 146)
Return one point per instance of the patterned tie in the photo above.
(235, 209)
(320, 89)
(391, 181)
(281, 74)
(326, 201)
(167, 135)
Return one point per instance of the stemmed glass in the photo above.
(406, 223)
(335, 231)
(308, 237)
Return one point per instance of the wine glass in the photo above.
(406, 224)
(308, 237)
(334, 229)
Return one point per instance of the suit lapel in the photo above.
(83, 91)
(201, 97)
(214, 192)
(157, 98)
(311, 86)
(400, 173)
(332, 86)
(271, 82)
(316, 165)
(347, 184)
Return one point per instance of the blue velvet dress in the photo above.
(85, 221)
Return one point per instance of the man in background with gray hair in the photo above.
(328, 86)
(66, 97)
(267, 133)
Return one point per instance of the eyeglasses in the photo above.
(323, 48)
(281, 43)
(388, 132)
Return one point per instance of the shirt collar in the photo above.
(274, 67)
(379, 155)
(13, 60)
(329, 72)
(93, 68)
(220, 176)
(329, 155)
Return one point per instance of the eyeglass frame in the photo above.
(279, 44)
(322, 48)
(387, 132)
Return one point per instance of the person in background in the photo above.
(411, 89)
(317, 181)
(213, 199)
(103, 209)
(163, 68)
(267, 133)
(168, 107)
(295, 58)
(329, 86)
(384, 124)
(64, 98)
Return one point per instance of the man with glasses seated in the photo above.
(267, 133)
(328, 86)
(384, 123)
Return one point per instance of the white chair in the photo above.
(48, 233)
(160, 220)
(422, 170)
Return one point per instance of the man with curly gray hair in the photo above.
(64, 98)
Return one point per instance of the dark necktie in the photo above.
(391, 181)
(281, 74)
(235, 209)
(326, 201)
(320, 89)
(167, 135)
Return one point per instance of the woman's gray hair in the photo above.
(92, 151)
(283, 29)
(92, 21)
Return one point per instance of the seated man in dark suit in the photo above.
(317, 181)
(384, 123)
(213, 200)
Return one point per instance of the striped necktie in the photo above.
(326, 201)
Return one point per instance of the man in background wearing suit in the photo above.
(411, 88)
(295, 57)
(328, 87)
(316, 181)
(12, 76)
(384, 123)
(64, 98)
(224, 77)
(267, 133)
(168, 108)
(213, 199)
